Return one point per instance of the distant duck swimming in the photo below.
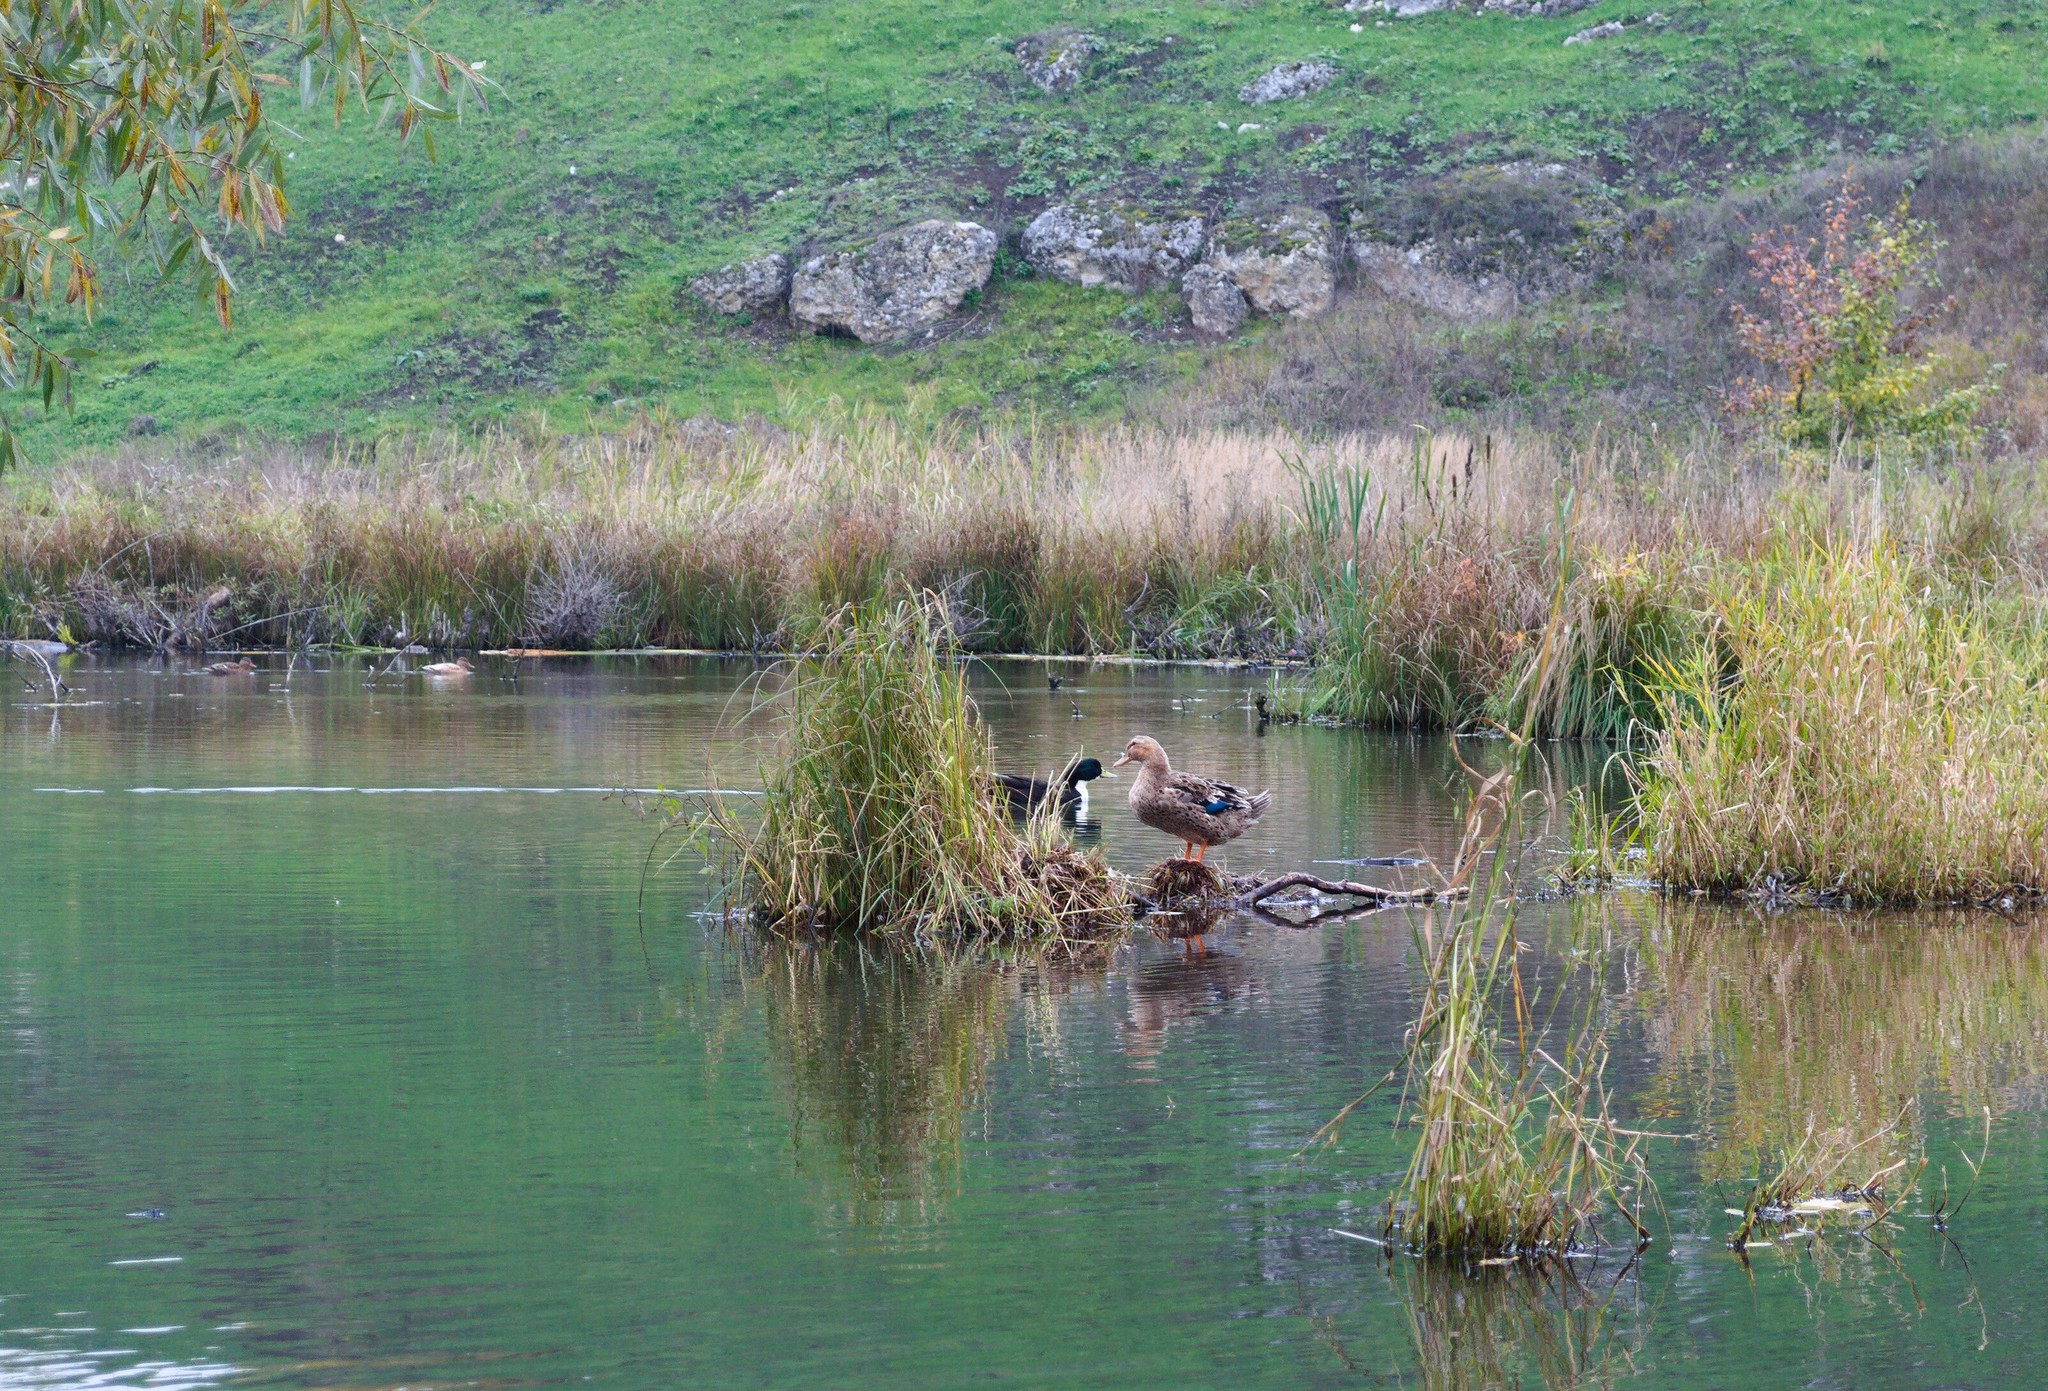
(459, 667)
(1201, 811)
(241, 668)
(1028, 794)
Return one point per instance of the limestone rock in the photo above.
(1536, 9)
(1401, 9)
(1615, 26)
(1213, 299)
(897, 283)
(1598, 31)
(1480, 241)
(1287, 81)
(1283, 264)
(750, 287)
(1054, 58)
(1413, 274)
(1099, 242)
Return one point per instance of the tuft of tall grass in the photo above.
(1830, 1173)
(1517, 1154)
(1626, 620)
(1883, 738)
(878, 815)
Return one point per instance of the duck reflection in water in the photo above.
(1202, 980)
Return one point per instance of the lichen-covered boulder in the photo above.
(750, 287)
(1415, 274)
(1213, 299)
(1536, 9)
(1284, 263)
(1401, 9)
(1054, 59)
(1479, 241)
(897, 283)
(1100, 242)
(1611, 29)
(1288, 81)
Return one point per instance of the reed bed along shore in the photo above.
(1836, 667)
(1417, 566)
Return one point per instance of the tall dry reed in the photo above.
(1870, 734)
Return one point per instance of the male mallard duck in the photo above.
(1026, 793)
(459, 667)
(241, 668)
(1201, 811)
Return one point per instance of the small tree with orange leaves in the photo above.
(1836, 319)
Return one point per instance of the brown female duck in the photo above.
(1201, 811)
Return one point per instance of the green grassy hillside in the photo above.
(540, 262)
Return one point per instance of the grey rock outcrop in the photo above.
(1099, 242)
(1599, 31)
(1288, 81)
(1401, 9)
(1283, 264)
(901, 281)
(1517, 9)
(1480, 241)
(1414, 274)
(1054, 59)
(1536, 9)
(1213, 299)
(749, 287)
(1614, 27)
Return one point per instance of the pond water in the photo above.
(334, 1054)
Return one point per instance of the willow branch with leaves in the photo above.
(149, 122)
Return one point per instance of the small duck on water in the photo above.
(1203, 812)
(241, 668)
(457, 668)
(1028, 793)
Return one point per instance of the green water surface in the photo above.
(346, 981)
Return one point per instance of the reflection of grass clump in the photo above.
(1480, 1330)
(883, 1058)
(878, 817)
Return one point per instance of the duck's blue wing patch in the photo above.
(1216, 806)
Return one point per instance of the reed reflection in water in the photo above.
(1767, 1026)
(881, 1058)
(1486, 1328)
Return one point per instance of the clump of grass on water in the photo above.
(877, 816)
(1517, 1155)
(1828, 1173)
(1885, 741)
